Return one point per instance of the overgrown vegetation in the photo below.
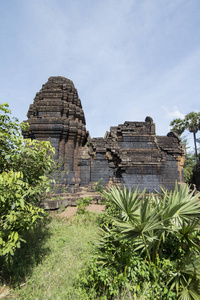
(24, 169)
(46, 267)
(150, 247)
(191, 122)
(82, 203)
(190, 162)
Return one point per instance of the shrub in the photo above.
(82, 204)
(152, 239)
(24, 169)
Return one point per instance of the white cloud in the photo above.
(172, 114)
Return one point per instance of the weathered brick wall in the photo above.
(131, 154)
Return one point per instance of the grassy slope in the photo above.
(69, 248)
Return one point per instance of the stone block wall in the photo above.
(131, 154)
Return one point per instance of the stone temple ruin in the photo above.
(129, 154)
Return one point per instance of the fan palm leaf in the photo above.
(126, 200)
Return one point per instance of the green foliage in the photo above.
(178, 126)
(190, 162)
(24, 169)
(120, 267)
(191, 122)
(17, 214)
(160, 233)
(114, 281)
(98, 186)
(82, 203)
(15, 270)
(10, 137)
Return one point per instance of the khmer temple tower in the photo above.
(56, 115)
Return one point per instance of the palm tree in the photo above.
(191, 122)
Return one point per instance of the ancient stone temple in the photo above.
(129, 154)
(57, 115)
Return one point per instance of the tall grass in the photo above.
(66, 250)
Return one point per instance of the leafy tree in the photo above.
(191, 122)
(24, 169)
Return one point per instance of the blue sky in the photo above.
(128, 59)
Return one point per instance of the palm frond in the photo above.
(126, 200)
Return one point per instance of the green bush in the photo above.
(149, 241)
(24, 169)
(82, 203)
(190, 162)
